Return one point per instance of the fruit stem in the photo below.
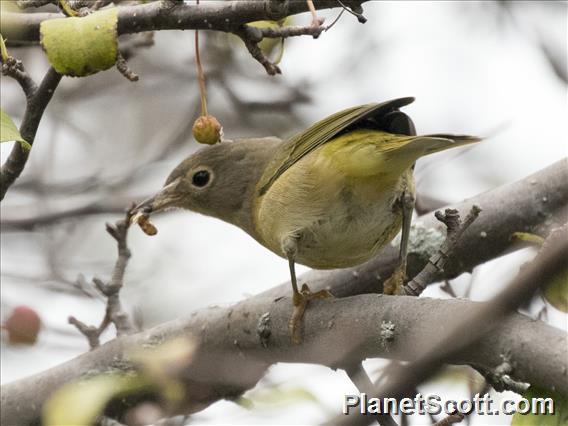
(200, 75)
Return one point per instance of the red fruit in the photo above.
(22, 326)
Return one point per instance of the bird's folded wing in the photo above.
(320, 133)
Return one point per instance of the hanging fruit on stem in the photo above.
(206, 129)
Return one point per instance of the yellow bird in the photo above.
(332, 196)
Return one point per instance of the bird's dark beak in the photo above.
(167, 197)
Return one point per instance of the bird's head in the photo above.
(217, 181)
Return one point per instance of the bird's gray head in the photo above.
(218, 181)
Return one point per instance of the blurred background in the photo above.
(495, 69)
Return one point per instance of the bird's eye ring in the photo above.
(201, 178)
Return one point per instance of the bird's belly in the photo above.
(348, 235)
(331, 231)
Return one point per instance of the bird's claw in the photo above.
(394, 285)
(301, 300)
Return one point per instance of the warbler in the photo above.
(332, 196)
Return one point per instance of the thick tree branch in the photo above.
(231, 357)
(35, 108)
(226, 16)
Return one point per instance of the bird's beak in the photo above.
(167, 197)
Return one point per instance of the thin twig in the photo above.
(123, 68)
(435, 266)
(14, 68)
(114, 313)
(500, 377)
(251, 36)
(358, 15)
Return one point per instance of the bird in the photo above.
(331, 196)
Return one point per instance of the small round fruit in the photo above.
(23, 326)
(207, 130)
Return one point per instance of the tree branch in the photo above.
(226, 16)
(35, 108)
(111, 290)
(337, 331)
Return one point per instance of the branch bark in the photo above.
(231, 358)
(226, 16)
(344, 331)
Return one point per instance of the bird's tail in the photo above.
(430, 144)
(401, 152)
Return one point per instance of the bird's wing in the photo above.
(322, 132)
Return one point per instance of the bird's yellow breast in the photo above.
(339, 201)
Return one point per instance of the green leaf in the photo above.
(9, 132)
(560, 404)
(81, 46)
(556, 293)
(81, 402)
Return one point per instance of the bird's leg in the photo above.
(300, 298)
(394, 284)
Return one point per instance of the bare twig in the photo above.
(14, 68)
(251, 36)
(500, 377)
(435, 266)
(123, 68)
(111, 290)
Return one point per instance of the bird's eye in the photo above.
(201, 178)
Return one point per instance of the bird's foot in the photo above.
(301, 300)
(394, 285)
